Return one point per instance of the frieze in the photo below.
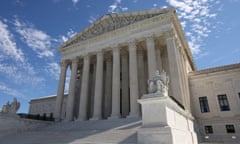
(108, 25)
(111, 22)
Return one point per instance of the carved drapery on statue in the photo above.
(11, 107)
(159, 83)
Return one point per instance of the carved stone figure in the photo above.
(11, 108)
(159, 83)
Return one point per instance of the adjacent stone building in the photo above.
(112, 60)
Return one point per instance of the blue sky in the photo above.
(31, 30)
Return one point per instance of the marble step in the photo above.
(118, 131)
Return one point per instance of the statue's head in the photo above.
(157, 72)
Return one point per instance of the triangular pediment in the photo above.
(110, 22)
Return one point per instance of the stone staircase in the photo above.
(114, 131)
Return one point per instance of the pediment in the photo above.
(110, 22)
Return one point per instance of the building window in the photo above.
(208, 129)
(204, 104)
(223, 102)
(239, 95)
(230, 129)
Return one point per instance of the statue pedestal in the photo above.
(165, 122)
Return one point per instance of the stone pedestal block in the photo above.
(165, 122)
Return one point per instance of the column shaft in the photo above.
(97, 113)
(108, 90)
(151, 54)
(91, 89)
(141, 73)
(125, 84)
(159, 59)
(116, 84)
(134, 107)
(84, 90)
(70, 99)
(60, 93)
(174, 67)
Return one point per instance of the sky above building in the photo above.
(31, 30)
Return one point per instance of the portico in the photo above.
(114, 62)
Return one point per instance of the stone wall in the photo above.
(210, 83)
(11, 123)
(45, 106)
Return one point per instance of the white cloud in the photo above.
(39, 41)
(53, 69)
(20, 74)
(4, 89)
(75, 1)
(14, 66)
(197, 20)
(124, 9)
(8, 46)
(92, 19)
(68, 35)
(117, 7)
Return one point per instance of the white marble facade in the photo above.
(111, 63)
(112, 60)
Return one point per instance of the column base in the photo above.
(81, 119)
(133, 115)
(94, 118)
(114, 117)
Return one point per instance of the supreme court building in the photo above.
(112, 60)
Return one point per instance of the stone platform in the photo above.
(114, 131)
(12, 124)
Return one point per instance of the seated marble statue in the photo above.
(11, 108)
(159, 83)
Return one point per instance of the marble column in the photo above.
(151, 55)
(70, 99)
(91, 89)
(159, 59)
(116, 84)
(141, 72)
(84, 90)
(175, 75)
(60, 93)
(108, 85)
(97, 111)
(133, 74)
(125, 84)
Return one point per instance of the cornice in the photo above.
(180, 33)
(215, 69)
(45, 98)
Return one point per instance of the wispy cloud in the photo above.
(38, 40)
(75, 1)
(92, 19)
(197, 19)
(8, 46)
(53, 69)
(6, 90)
(21, 74)
(116, 7)
(14, 66)
(69, 34)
